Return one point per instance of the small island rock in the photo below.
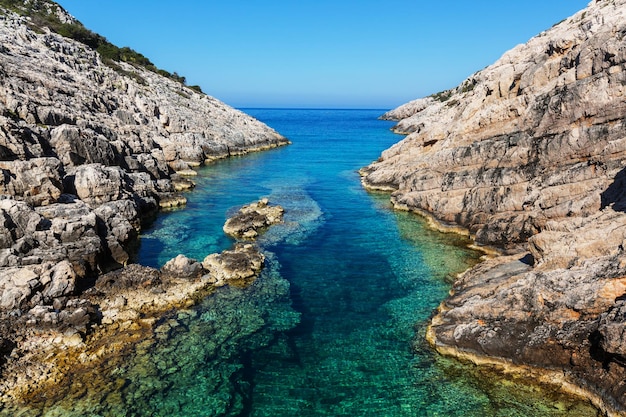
(250, 219)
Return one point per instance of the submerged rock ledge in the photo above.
(123, 308)
(528, 156)
(87, 150)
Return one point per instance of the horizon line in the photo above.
(311, 108)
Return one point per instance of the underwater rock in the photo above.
(250, 219)
(528, 155)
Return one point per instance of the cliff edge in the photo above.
(88, 145)
(529, 156)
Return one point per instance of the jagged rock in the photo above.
(612, 329)
(526, 140)
(172, 201)
(62, 281)
(244, 262)
(250, 219)
(121, 223)
(16, 285)
(78, 315)
(36, 181)
(86, 149)
(529, 155)
(76, 147)
(17, 221)
(183, 267)
(96, 184)
(132, 276)
(71, 124)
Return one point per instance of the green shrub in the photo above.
(40, 18)
(442, 95)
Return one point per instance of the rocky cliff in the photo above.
(529, 156)
(86, 149)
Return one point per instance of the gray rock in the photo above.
(76, 147)
(85, 150)
(528, 154)
(36, 181)
(183, 267)
(96, 184)
(612, 328)
(242, 263)
(252, 219)
(62, 281)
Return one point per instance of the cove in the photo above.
(335, 324)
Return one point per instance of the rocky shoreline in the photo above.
(124, 307)
(528, 156)
(88, 150)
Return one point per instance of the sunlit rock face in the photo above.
(528, 155)
(86, 148)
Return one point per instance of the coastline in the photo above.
(540, 375)
(139, 306)
(528, 154)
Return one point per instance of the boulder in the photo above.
(242, 263)
(36, 181)
(97, 184)
(183, 267)
(76, 147)
(62, 281)
(16, 286)
(612, 330)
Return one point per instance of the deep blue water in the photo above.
(334, 325)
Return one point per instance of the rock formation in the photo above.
(528, 155)
(87, 148)
(252, 218)
(126, 301)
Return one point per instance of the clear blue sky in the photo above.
(321, 53)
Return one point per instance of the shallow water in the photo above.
(335, 324)
(363, 279)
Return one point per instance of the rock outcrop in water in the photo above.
(253, 218)
(124, 307)
(86, 150)
(529, 156)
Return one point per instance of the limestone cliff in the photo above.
(86, 148)
(529, 156)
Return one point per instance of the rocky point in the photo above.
(529, 155)
(88, 148)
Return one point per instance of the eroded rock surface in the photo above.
(529, 155)
(252, 219)
(86, 150)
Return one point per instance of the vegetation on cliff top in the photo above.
(45, 13)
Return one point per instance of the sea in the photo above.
(335, 324)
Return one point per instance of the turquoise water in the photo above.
(335, 324)
(363, 281)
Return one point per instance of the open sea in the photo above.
(335, 324)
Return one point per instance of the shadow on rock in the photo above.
(615, 195)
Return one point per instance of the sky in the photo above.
(321, 53)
